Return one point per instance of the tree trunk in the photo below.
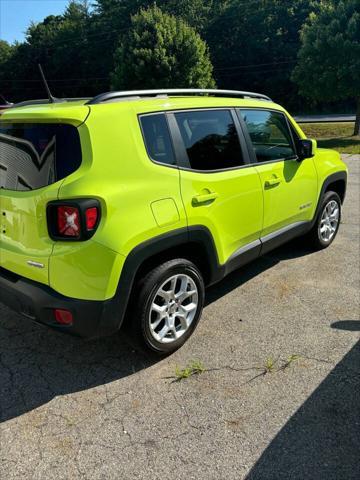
(357, 120)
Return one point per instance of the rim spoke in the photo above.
(183, 320)
(159, 309)
(164, 294)
(156, 323)
(184, 283)
(173, 285)
(188, 308)
(181, 296)
(164, 331)
(335, 214)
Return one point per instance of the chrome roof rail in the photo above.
(138, 94)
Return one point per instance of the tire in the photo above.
(157, 302)
(324, 229)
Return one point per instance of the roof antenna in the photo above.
(51, 98)
(3, 101)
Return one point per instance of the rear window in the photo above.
(34, 156)
(157, 138)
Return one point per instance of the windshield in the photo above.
(33, 156)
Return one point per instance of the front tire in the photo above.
(327, 221)
(168, 305)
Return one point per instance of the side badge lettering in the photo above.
(306, 205)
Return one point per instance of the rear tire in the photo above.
(167, 306)
(327, 222)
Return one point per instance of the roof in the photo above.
(75, 111)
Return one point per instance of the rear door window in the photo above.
(210, 138)
(34, 156)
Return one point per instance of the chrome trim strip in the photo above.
(35, 264)
(276, 233)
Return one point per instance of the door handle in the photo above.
(204, 198)
(272, 182)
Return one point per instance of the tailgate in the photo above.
(34, 160)
(25, 246)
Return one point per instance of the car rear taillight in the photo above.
(91, 215)
(68, 221)
(73, 220)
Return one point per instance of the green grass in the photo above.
(337, 136)
(269, 365)
(195, 367)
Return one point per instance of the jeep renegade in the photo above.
(127, 205)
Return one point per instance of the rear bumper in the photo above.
(37, 302)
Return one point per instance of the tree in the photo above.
(197, 13)
(6, 52)
(60, 44)
(161, 50)
(112, 19)
(329, 58)
(254, 46)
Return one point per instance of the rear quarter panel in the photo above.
(129, 186)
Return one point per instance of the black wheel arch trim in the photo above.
(334, 177)
(117, 306)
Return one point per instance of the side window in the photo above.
(210, 139)
(270, 135)
(157, 138)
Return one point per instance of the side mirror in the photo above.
(306, 148)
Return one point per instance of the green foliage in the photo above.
(161, 51)
(5, 51)
(197, 13)
(329, 58)
(269, 365)
(291, 359)
(137, 43)
(195, 367)
(260, 53)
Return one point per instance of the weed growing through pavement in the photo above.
(269, 365)
(289, 361)
(195, 367)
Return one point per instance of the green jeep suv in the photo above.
(127, 205)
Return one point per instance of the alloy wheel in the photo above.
(329, 221)
(173, 308)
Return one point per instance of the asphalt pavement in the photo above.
(279, 398)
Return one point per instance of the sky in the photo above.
(16, 15)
